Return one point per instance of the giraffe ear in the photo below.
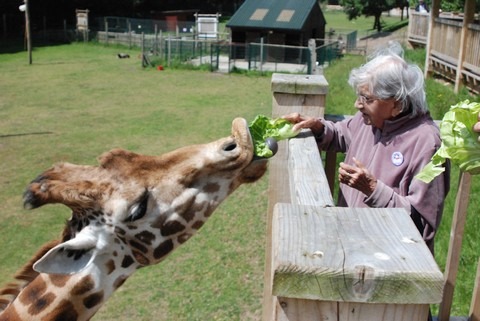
(69, 257)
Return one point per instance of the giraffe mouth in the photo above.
(243, 138)
(256, 166)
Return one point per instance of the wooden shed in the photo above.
(278, 22)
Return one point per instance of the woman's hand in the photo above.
(313, 123)
(358, 177)
(476, 127)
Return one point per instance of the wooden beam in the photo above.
(305, 94)
(365, 255)
(454, 248)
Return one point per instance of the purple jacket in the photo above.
(394, 156)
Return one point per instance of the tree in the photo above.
(375, 8)
(402, 5)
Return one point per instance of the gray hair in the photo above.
(388, 75)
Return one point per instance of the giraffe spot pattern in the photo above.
(211, 188)
(120, 231)
(110, 266)
(93, 300)
(171, 227)
(163, 249)
(119, 281)
(41, 303)
(138, 246)
(65, 311)
(182, 238)
(84, 286)
(143, 260)
(33, 292)
(146, 237)
(10, 315)
(127, 261)
(197, 225)
(59, 280)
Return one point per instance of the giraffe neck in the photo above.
(74, 297)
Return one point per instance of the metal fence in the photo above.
(224, 55)
(147, 26)
(267, 57)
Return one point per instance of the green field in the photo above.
(77, 101)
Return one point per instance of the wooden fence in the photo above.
(329, 263)
(454, 47)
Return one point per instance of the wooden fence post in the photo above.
(467, 19)
(304, 94)
(330, 263)
(474, 314)
(454, 248)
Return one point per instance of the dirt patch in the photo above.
(378, 40)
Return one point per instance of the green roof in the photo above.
(273, 14)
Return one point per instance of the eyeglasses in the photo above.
(365, 100)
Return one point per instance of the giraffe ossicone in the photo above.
(129, 212)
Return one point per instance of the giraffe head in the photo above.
(132, 210)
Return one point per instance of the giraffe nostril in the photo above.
(230, 147)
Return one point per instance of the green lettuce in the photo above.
(459, 142)
(263, 127)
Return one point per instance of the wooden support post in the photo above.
(304, 94)
(28, 33)
(313, 68)
(467, 19)
(474, 314)
(434, 13)
(454, 248)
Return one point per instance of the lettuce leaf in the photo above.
(263, 127)
(460, 143)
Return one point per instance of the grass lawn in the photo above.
(77, 101)
(338, 20)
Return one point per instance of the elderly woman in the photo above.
(387, 142)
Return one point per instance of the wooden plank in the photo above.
(382, 312)
(288, 309)
(308, 182)
(443, 58)
(475, 305)
(352, 254)
(454, 248)
(303, 104)
(299, 84)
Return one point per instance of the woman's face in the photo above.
(375, 111)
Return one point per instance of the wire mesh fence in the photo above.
(162, 42)
(224, 55)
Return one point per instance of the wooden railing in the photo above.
(418, 28)
(449, 56)
(329, 263)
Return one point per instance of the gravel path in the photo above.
(378, 40)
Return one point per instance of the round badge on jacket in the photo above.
(397, 158)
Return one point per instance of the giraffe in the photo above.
(129, 212)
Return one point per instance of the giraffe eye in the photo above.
(139, 209)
